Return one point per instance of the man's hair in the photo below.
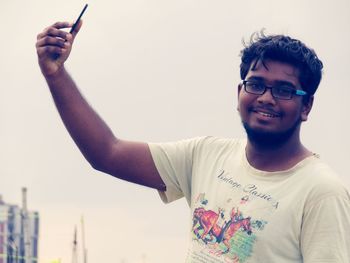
(283, 49)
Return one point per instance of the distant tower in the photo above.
(75, 245)
(83, 240)
(25, 228)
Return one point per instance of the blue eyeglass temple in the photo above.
(300, 92)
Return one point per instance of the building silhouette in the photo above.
(19, 233)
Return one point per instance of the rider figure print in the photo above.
(227, 233)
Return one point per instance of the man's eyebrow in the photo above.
(256, 78)
(284, 82)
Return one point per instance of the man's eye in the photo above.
(255, 85)
(283, 90)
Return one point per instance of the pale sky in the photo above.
(155, 70)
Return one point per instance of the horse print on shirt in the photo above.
(230, 236)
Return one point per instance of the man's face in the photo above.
(266, 115)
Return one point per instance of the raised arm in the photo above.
(131, 161)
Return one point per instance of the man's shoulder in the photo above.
(325, 182)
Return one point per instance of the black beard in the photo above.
(270, 139)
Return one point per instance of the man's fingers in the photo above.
(48, 45)
(53, 33)
(55, 30)
(51, 41)
(46, 50)
(60, 25)
(55, 42)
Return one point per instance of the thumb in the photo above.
(75, 29)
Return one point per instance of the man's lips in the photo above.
(266, 112)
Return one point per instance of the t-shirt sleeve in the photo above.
(325, 235)
(174, 162)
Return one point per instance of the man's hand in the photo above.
(54, 46)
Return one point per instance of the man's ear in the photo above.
(307, 106)
(239, 88)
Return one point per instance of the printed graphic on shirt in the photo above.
(228, 231)
(232, 239)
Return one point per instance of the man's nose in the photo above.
(267, 97)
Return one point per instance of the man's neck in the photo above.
(280, 157)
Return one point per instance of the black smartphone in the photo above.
(79, 17)
(56, 56)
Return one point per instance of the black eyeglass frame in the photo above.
(297, 92)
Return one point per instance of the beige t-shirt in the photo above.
(241, 214)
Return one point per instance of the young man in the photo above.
(262, 199)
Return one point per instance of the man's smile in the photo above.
(266, 112)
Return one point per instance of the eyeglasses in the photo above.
(282, 91)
